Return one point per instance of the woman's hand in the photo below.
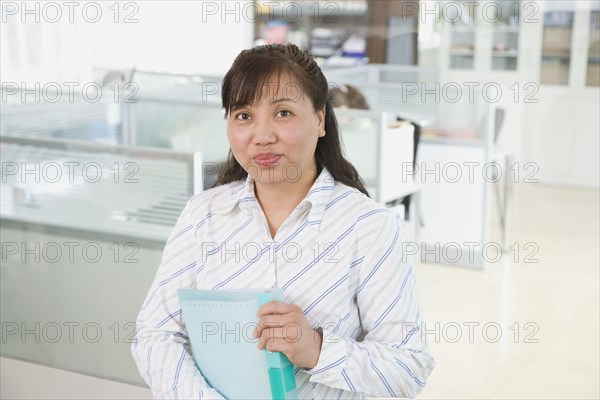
(283, 327)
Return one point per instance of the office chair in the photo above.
(416, 138)
(499, 120)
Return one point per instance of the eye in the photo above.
(242, 116)
(284, 113)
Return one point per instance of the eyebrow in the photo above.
(236, 107)
(282, 100)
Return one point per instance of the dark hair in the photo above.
(349, 96)
(113, 76)
(242, 85)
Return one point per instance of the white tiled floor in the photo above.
(558, 296)
(24, 380)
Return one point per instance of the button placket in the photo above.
(281, 233)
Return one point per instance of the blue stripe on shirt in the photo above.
(410, 373)
(394, 302)
(379, 263)
(324, 294)
(178, 234)
(178, 371)
(332, 365)
(385, 382)
(348, 381)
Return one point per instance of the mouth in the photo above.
(266, 159)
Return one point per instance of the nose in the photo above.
(264, 133)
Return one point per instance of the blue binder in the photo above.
(220, 325)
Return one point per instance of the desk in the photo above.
(457, 209)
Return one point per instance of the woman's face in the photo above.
(275, 139)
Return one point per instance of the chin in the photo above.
(271, 180)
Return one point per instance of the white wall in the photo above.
(178, 36)
(168, 36)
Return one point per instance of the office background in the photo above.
(111, 120)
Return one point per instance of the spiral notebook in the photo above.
(220, 325)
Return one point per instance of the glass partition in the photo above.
(181, 125)
(36, 115)
(359, 136)
(465, 121)
(90, 193)
(379, 146)
(412, 92)
(83, 228)
(446, 110)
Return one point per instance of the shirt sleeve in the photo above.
(161, 348)
(393, 359)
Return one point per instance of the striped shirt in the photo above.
(339, 256)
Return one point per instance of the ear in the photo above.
(321, 121)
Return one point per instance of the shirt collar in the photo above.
(317, 197)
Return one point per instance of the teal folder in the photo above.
(220, 325)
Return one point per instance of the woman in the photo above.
(290, 212)
(348, 96)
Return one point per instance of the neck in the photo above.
(282, 195)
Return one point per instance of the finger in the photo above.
(278, 345)
(268, 335)
(277, 307)
(275, 320)
(274, 344)
(291, 328)
(266, 322)
(290, 333)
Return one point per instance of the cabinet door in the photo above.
(462, 28)
(593, 58)
(505, 18)
(556, 47)
(585, 162)
(452, 206)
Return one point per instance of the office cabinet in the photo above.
(593, 64)
(481, 37)
(561, 129)
(556, 47)
(545, 57)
